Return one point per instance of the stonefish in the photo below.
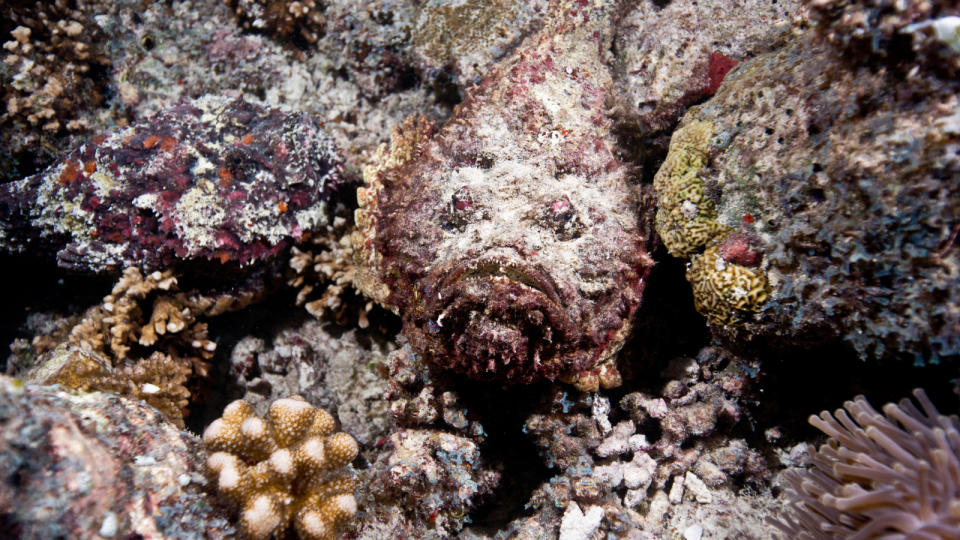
(213, 179)
(508, 239)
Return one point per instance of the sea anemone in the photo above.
(895, 475)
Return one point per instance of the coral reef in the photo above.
(76, 466)
(900, 35)
(210, 179)
(670, 55)
(341, 371)
(52, 73)
(296, 20)
(284, 471)
(435, 476)
(507, 240)
(99, 352)
(847, 189)
(895, 475)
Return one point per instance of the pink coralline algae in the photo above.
(508, 239)
(210, 179)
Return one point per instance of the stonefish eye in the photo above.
(461, 210)
(562, 217)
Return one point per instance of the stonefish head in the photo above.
(508, 240)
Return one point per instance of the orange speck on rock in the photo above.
(90, 166)
(168, 143)
(150, 141)
(281, 207)
(223, 257)
(247, 139)
(225, 177)
(70, 172)
(748, 218)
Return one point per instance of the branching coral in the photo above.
(52, 70)
(329, 270)
(895, 475)
(99, 352)
(287, 468)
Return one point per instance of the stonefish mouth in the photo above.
(493, 319)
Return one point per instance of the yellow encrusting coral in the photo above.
(282, 471)
(686, 217)
(723, 291)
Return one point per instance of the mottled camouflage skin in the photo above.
(508, 239)
(209, 179)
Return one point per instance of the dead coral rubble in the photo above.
(435, 477)
(642, 460)
(283, 473)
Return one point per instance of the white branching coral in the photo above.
(895, 475)
(284, 470)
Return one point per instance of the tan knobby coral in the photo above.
(287, 469)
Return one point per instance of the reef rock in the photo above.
(80, 465)
(508, 240)
(670, 55)
(840, 178)
(213, 178)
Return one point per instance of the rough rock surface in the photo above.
(341, 372)
(847, 173)
(670, 55)
(461, 40)
(508, 239)
(78, 465)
